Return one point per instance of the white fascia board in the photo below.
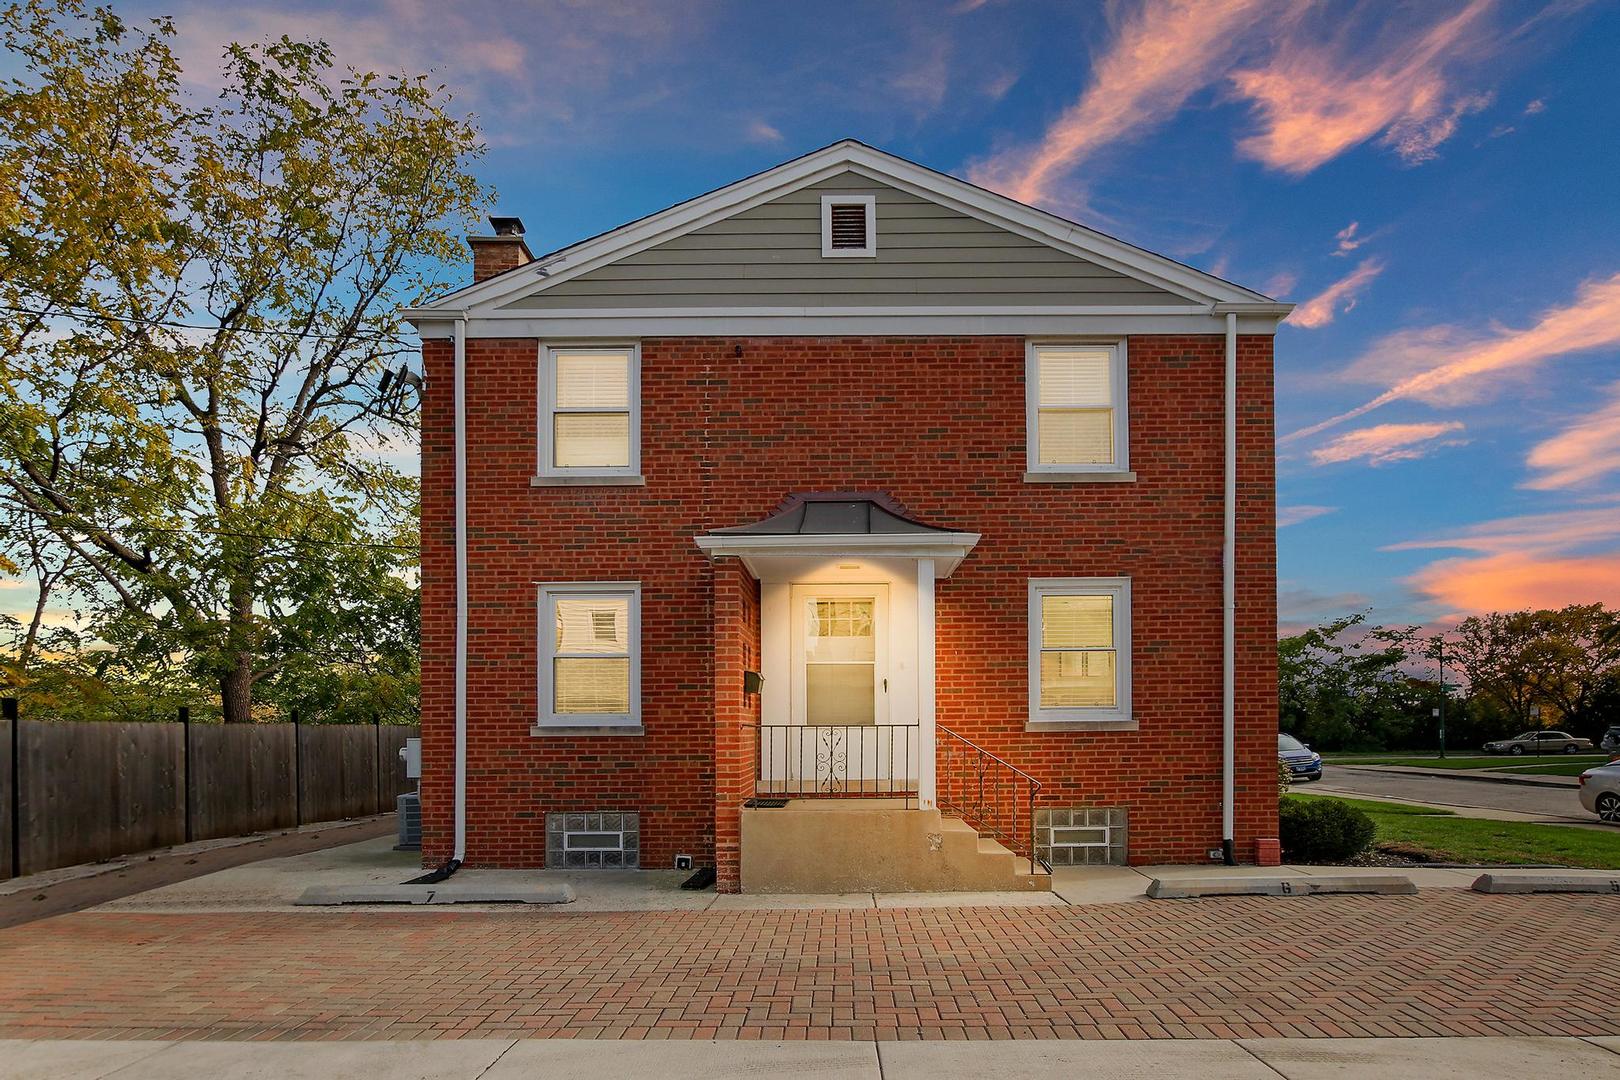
(626, 324)
(695, 213)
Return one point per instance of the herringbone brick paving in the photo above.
(1441, 963)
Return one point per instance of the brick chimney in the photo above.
(501, 251)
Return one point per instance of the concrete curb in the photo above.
(1566, 783)
(469, 893)
(1192, 888)
(1546, 883)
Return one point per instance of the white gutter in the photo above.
(1229, 597)
(460, 331)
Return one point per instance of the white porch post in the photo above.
(925, 684)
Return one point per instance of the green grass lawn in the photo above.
(1445, 837)
(1499, 761)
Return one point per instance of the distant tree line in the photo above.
(1349, 685)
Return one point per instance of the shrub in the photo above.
(1323, 830)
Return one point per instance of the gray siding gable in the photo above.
(769, 256)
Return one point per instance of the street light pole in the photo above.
(1440, 712)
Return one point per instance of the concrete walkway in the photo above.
(273, 885)
(508, 1059)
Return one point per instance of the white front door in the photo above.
(840, 654)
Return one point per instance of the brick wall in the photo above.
(731, 426)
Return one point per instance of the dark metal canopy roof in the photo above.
(837, 513)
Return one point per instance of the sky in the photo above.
(1436, 184)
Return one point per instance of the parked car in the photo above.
(1600, 791)
(1610, 742)
(1303, 762)
(1540, 742)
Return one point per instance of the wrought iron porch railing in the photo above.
(994, 796)
(837, 760)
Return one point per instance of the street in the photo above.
(1517, 802)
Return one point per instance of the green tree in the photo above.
(1344, 685)
(200, 301)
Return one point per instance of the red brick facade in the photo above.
(729, 427)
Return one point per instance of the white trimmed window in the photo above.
(1076, 407)
(848, 226)
(1079, 650)
(590, 654)
(590, 411)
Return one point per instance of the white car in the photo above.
(1600, 791)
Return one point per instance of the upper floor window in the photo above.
(1079, 650)
(590, 654)
(848, 226)
(1076, 407)
(590, 420)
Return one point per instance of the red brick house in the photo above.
(847, 479)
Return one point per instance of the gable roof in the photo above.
(567, 263)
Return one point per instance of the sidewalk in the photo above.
(1487, 775)
(508, 1059)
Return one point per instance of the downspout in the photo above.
(1229, 600)
(459, 852)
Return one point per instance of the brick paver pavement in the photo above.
(1441, 963)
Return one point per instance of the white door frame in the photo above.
(801, 594)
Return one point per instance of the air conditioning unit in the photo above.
(408, 807)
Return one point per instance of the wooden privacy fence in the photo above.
(79, 792)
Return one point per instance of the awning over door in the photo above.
(840, 523)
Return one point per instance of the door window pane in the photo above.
(840, 694)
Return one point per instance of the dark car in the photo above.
(1303, 762)
(1540, 742)
(1610, 740)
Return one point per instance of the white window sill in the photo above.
(586, 730)
(1080, 477)
(614, 480)
(1081, 725)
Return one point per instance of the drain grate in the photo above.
(765, 804)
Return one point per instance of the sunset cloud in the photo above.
(1293, 515)
(1583, 452)
(1452, 366)
(1532, 560)
(1162, 53)
(1340, 297)
(1385, 444)
(1314, 101)
(1347, 239)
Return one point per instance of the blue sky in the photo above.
(1436, 183)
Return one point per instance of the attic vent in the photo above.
(848, 225)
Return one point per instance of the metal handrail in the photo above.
(968, 800)
(810, 760)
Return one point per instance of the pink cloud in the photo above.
(1385, 444)
(1444, 365)
(1347, 239)
(1341, 296)
(1161, 54)
(1314, 101)
(1531, 560)
(1293, 515)
(1513, 582)
(1585, 451)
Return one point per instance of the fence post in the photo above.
(185, 763)
(298, 771)
(376, 729)
(8, 709)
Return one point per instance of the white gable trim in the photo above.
(1038, 225)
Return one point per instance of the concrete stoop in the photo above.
(874, 845)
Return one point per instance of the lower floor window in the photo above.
(590, 654)
(1079, 649)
